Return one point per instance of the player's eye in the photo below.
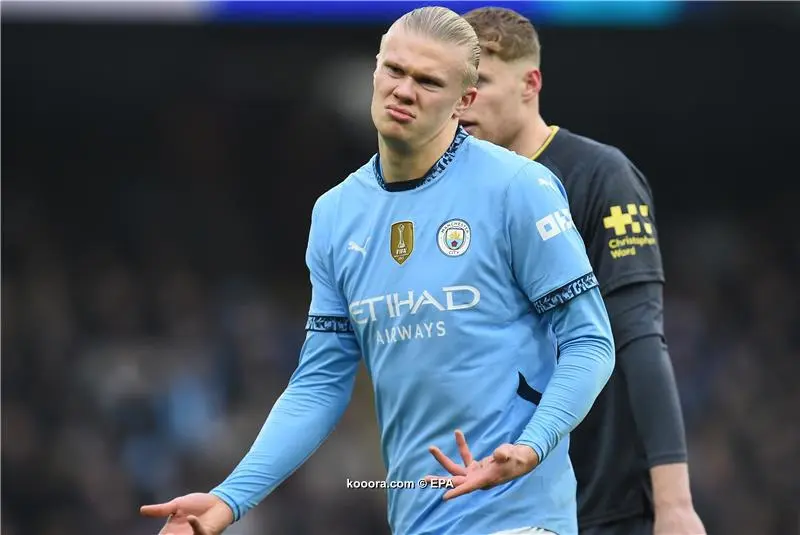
(393, 70)
(429, 83)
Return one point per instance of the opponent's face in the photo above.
(418, 87)
(500, 108)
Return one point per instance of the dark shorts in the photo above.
(637, 525)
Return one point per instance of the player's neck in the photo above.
(531, 138)
(400, 163)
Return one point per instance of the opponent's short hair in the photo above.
(446, 26)
(505, 34)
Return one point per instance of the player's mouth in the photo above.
(399, 114)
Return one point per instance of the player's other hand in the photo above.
(678, 520)
(193, 514)
(508, 462)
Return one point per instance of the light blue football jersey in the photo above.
(441, 285)
(462, 294)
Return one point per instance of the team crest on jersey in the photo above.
(401, 241)
(454, 237)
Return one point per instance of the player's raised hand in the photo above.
(193, 514)
(508, 462)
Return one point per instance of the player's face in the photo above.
(418, 87)
(498, 113)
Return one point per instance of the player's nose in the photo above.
(404, 90)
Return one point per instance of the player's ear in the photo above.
(532, 83)
(465, 101)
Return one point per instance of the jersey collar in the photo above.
(553, 131)
(435, 171)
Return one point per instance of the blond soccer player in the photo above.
(452, 266)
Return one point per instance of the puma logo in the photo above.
(353, 246)
(548, 183)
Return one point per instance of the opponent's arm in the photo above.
(316, 397)
(624, 249)
(637, 318)
(551, 265)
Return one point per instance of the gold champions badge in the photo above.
(401, 241)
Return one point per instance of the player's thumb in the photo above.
(503, 453)
(160, 509)
(197, 527)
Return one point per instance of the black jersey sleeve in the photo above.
(637, 316)
(619, 224)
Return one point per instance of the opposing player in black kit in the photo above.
(629, 454)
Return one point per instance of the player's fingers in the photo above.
(465, 488)
(197, 528)
(159, 509)
(503, 453)
(165, 530)
(446, 462)
(463, 448)
(458, 480)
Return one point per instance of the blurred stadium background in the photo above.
(159, 165)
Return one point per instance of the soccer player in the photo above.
(452, 265)
(630, 453)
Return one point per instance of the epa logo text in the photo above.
(441, 483)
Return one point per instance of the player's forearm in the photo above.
(302, 418)
(586, 360)
(642, 357)
(671, 486)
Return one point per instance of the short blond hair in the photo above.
(446, 26)
(505, 34)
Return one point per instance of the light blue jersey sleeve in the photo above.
(550, 264)
(318, 392)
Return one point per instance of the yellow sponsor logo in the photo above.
(632, 229)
